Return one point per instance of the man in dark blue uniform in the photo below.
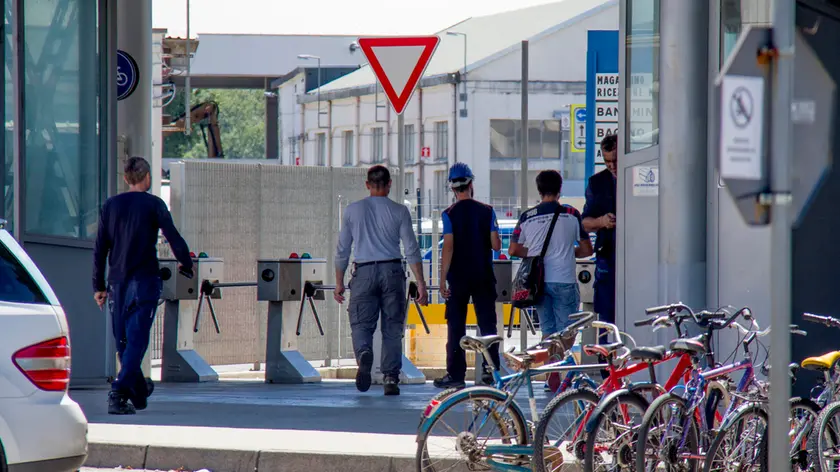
(599, 216)
(470, 235)
(127, 240)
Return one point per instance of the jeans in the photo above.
(558, 302)
(133, 305)
(604, 290)
(484, 304)
(375, 289)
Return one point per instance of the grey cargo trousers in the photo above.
(379, 288)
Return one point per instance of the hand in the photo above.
(100, 298)
(422, 294)
(444, 290)
(608, 221)
(338, 293)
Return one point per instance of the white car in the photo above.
(41, 428)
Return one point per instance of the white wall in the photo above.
(289, 114)
(157, 111)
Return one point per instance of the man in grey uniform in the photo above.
(375, 226)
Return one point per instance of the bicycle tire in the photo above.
(650, 414)
(518, 422)
(578, 394)
(763, 460)
(438, 397)
(625, 398)
(802, 457)
(817, 432)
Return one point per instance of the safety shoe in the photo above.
(363, 374)
(448, 382)
(118, 404)
(391, 386)
(140, 399)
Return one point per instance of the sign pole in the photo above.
(401, 156)
(523, 143)
(781, 150)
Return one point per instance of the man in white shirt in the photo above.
(561, 294)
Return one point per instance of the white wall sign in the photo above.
(606, 112)
(606, 87)
(602, 130)
(741, 127)
(645, 181)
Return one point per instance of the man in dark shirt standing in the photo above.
(470, 235)
(127, 238)
(599, 215)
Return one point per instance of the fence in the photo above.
(242, 212)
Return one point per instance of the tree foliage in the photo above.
(241, 120)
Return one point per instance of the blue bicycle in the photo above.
(483, 427)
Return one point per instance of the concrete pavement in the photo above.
(249, 425)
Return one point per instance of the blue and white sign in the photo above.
(128, 75)
(602, 80)
(580, 115)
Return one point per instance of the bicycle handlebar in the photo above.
(829, 321)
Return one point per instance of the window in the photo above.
(16, 285)
(321, 142)
(441, 140)
(442, 190)
(62, 156)
(544, 139)
(642, 77)
(348, 148)
(377, 145)
(734, 15)
(410, 192)
(410, 147)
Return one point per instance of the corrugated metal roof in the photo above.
(487, 37)
(248, 55)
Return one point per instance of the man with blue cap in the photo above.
(470, 235)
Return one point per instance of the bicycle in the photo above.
(602, 434)
(511, 448)
(823, 442)
(687, 434)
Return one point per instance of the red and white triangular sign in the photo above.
(399, 63)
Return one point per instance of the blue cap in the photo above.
(460, 175)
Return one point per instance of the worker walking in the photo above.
(470, 235)
(127, 239)
(374, 227)
(599, 215)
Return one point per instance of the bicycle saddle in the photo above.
(474, 343)
(605, 350)
(645, 353)
(823, 362)
(695, 345)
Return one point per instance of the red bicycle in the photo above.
(616, 407)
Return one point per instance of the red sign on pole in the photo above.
(426, 152)
(297, 161)
(399, 63)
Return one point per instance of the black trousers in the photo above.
(484, 302)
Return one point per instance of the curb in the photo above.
(110, 455)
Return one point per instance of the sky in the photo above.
(339, 17)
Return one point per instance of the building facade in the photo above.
(467, 108)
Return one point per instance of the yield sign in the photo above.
(399, 63)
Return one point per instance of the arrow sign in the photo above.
(399, 63)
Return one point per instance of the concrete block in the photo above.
(306, 462)
(177, 458)
(116, 455)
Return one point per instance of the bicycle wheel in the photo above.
(476, 421)
(661, 432)
(559, 438)
(742, 445)
(803, 416)
(824, 440)
(611, 444)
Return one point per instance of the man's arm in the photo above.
(446, 253)
(100, 252)
(517, 242)
(584, 248)
(495, 240)
(411, 247)
(179, 247)
(594, 218)
(342, 250)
